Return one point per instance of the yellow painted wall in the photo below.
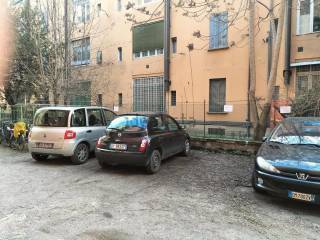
(190, 70)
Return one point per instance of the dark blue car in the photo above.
(288, 162)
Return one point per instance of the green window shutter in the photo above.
(148, 37)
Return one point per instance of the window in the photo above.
(108, 116)
(148, 39)
(81, 51)
(79, 118)
(156, 124)
(119, 5)
(120, 54)
(308, 16)
(174, 44)
(142, 2)
(172, 125)
(99, 99)
(81, 9)
(173, 98)
(219, 31)
(276, 93)
(217, 95)
(95, 117)
(99, 57)
(307, 78)
(120, 99)
(99, 9)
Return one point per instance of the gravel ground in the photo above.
(204, 196)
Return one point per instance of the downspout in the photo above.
(287, 69)
(166, 44)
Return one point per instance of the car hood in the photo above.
(292, 158)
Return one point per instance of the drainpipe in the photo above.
(287, 69)
(166, 44)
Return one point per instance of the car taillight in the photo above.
(143, 145)
(100, 143)
(69, 134)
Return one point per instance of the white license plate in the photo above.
(302, 196)
(44, 145)
(116, 146)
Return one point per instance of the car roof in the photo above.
(146, 113)
(70, 108)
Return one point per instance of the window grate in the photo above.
(148, 94)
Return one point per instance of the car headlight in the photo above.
(263, 164)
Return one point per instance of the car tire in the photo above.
(103, 164)
(154, 162)
(254, 184)
(187, 148)
(81, 154)
(39, 157)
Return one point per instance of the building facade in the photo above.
(117, 50)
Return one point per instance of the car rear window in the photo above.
(51, 118)
(129, 123)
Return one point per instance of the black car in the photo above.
(288, 162)
(142, 139)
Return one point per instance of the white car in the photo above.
(68, 131)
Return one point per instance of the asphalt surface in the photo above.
(204, 196)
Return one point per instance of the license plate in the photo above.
(117, 146)
(302, 196)
(44, 145)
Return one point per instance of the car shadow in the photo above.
(140, 170)
(59, 161)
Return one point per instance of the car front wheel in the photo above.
(81, 154)
(187, 148)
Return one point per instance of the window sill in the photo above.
(217, 49)
(217, 112)
(308, 33)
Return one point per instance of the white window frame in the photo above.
(142, 3)
(311, 18)
(157, 52)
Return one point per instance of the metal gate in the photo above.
(148, 94)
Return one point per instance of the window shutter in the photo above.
(219, 30)
(223, 30)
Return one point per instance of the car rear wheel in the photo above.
(81, 154)
(154, 162)
(39, 157)
(187, 148)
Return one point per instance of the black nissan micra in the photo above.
(142, 139)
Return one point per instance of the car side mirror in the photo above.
(264, 138)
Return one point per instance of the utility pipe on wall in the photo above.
(287, 69)
(166, 44)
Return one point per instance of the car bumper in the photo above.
(66, 150)
(121, 158)
(280, 185)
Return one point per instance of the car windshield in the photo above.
(129, 123)
(297, 132)
(51, 118)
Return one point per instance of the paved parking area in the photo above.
(204, 196)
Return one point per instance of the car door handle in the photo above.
(89, 131)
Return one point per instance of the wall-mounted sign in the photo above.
(228, 108)
(285, 109)
(116, 108)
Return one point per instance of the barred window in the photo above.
(308, 77)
